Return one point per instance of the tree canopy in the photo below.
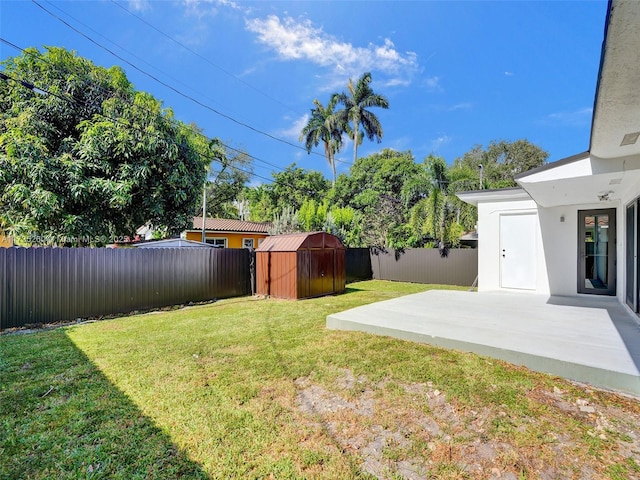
(323, 127)
(388, 199)
(85, 158)
(357, 101)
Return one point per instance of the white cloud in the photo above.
(442, 140)
(293, 132)
(433, 83)
(508, 74)
(301, 40)
(460, 106)
(397, 82)
(139, 5)
(199, 8)
(207, 8)
(233, 5)
(574, 118)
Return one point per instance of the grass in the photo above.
(248, 388)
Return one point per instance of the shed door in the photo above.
(327, 270)
(321, 272)
(518, 251)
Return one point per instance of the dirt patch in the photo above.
(414, 431)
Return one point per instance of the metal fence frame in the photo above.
(44, 285)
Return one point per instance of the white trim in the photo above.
(503, 194)
(212, 240)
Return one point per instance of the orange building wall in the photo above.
(234, 240)
(5, 241)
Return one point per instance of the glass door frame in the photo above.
(611, 252)
(632, 255)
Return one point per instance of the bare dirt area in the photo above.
(414, 431)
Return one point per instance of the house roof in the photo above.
(172, 243)
(228, 225)
(617, 100)
(296, 241)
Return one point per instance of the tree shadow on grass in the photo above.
(60, 417)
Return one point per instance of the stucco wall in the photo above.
(556, 247)
(489, 259)
(234, 240)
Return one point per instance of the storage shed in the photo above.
(300, 265)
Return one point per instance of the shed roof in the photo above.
(295, 241)
(229, 225)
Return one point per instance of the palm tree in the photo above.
(324, 126)
(356, 102)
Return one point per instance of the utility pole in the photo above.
(481, 168)
(204, 210)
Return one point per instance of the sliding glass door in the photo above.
(597, 251)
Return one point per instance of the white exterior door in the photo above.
(518, 251)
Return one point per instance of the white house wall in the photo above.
(556, 244)
(489, 249)
(561, 245)
(628, 197)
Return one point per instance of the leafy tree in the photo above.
(227, 176)
(324, 126)
(312, 215)
(435, 219)
(290, 188)
(384, 173)
(285, 222)
(259, 203)
(501, 161)
(344, 223)
(84, 157)
(380, 227)
(359, 98)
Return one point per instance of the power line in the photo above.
(205, 59)
(175, 90)
(133, 105)
(128, 51)
(71, 100)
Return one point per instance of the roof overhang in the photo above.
(582, 179)
(499, 195)
(615, 131)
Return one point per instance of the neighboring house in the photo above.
(5, 242)
(228, 233)
(145, 232)
(469, 240)
(172, 243)
(572, 226)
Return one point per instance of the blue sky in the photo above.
(457, 74)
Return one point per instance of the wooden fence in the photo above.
(43, 285)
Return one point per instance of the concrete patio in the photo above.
(589, 339)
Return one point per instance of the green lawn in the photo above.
(255, 388)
